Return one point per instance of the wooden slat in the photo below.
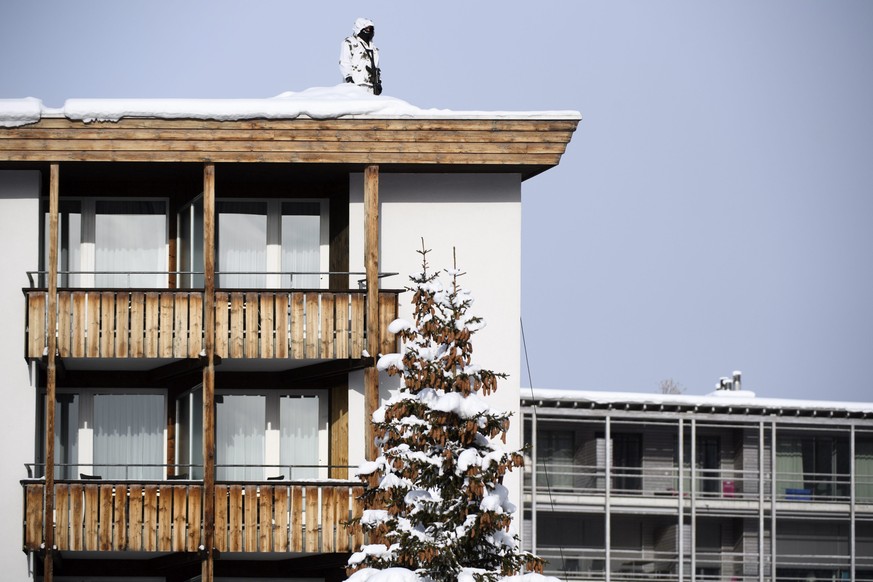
(537, 160)
(266, 323)
(195, 517)
(265, 514)
(297, 326)
(251, 518)
(341, 517)
(296, 541)
(36, 340)
(220, 539)
(33, 517)
(357, 511)
(92, 335)
(235, 518)
(280, 512)
(119, 523)
(122, 324)
(104, 519)
(137, 324)
(134, 510)
(165, 333)
(313, 150)
(180, 326)
(65, 325)
(91, 508)
(341, 307)
(549, 133)
(251, 325)
(180, 517)
(328, 519)
(152, 314)
(150, 518)
(77, 516)
(236, 325)
(327, 326)
(107, 324)
(195, 314)
(417, 128)
(310, 335)
(165, 513)
(221, 324)
(387, 314)
(311, 544)
(62, 516)
(78, 331)
(357, 331)
(281, 325)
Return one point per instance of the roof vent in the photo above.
(730, 384)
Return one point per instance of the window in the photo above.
(812, 465)
(707, 464)
(114, 435)
(627, 461)
(555, 453)
(111, 243)
(271, 435)
(271, 244)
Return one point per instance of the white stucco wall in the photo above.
(19, 229)
(477, 215)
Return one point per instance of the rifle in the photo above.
(375, 75)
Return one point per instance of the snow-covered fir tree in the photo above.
(435, 505)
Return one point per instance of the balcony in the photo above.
(654, 484)
(266, 324)
(168, 516)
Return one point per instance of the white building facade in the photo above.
(203, 299)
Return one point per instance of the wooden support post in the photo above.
(371, 266)
(51, 381)
(207, 570)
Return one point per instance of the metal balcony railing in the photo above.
(656, 481)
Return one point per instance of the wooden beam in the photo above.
(207, 570)
(371, 266)
(51, 381)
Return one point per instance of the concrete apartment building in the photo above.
(199, 288)
(763, 489)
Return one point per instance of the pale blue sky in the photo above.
(713, 211)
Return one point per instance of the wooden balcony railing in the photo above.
(170, 324)
(168, 517)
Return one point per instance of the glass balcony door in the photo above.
(112, 243)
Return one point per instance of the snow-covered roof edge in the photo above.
(342, 101)
(719, 398)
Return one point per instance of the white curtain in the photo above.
(242, 244)
(301, 227)
(789, 465)
(131, 236)
(240, 436)
(298, 417)
(128, 431)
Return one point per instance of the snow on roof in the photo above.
(734, 398)
(344, 100)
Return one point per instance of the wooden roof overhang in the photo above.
(519, 145)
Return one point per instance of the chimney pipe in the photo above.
(738, 382)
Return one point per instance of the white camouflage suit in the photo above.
(355, 56)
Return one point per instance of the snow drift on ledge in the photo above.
(344, 100)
